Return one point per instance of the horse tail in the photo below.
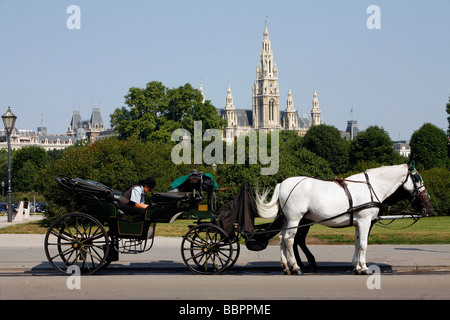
(266, 209)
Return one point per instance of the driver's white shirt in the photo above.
(137, 194)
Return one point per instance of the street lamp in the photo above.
(9, 120)
(3, 191)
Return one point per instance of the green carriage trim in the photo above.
(129, 228)
(178, 182)
(101, 209)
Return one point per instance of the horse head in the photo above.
(415, 186)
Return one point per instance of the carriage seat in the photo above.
(170, 196)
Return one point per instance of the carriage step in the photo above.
(113, 254)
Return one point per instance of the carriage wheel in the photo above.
(76, 239)
(206, 249)
(236, 250)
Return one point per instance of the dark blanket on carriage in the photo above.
(241, 210)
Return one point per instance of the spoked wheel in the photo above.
(236, 250)
(77, 239)
(206, 249)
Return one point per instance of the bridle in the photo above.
(421, 196)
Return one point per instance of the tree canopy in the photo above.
(26, 164)
(326, 142)
(155, 111)
(429, 146)
(372, 144)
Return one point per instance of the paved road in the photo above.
(26, 253)
(407, 272)
(231, 286)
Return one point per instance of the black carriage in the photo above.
(94, 237)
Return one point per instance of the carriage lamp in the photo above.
(214, 166)
(9, 120)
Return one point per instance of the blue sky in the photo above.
(397, 77)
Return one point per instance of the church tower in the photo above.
(265, 95)
(291, 119)
(201, 92)
(315, 111)
(230, 116)
(229, 109)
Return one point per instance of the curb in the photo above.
(177, 267)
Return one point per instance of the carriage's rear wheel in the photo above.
(78, 240)
(206, 249)
(236, 249)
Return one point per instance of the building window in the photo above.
(271, 110)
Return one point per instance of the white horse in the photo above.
(325, 201)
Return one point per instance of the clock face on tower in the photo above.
(271, 84)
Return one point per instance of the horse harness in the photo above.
(351, 210)
(421, 196)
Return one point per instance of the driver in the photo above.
(132, 201)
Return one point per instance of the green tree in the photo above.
(437, 182)
(156, 111)
(26, 178)
(429, 147)
(113, 162)
(3, 166)
(26, 164)
(372, 145)
(326, 142)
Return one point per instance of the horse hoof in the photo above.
(357, 272)
(297, 272)
(312, 268)
(287, 272)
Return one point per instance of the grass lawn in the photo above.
(435, 230)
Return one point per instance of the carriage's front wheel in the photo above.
(206, 249)
(76, 240)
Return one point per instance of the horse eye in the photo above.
(416, 177)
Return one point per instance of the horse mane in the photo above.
(399, 195)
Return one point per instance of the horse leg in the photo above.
(284, 263)
(300, 240)
(364, 228)
(357, 247)
(289, 244)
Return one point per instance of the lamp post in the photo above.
(3, 191)
(9, 120)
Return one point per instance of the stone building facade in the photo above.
(92, 129)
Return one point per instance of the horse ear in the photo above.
(412, 165)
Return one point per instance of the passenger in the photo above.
(132, 202)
